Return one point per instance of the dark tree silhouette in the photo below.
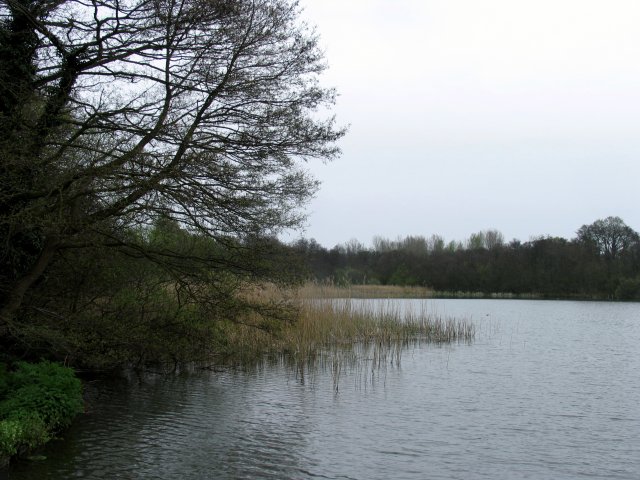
(114, 114)
(610, 236)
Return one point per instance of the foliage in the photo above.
(37, 400)
(21, 432)
(46, 388)
(544, 266)
(628, 289)
(4, 380)
(150, 152)
(119, 308)
(610, 236)
(167, 133)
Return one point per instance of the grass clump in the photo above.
(324, 327)
(36, 401)
(330, 290)
(346, 321)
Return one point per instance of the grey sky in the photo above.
(466, 115)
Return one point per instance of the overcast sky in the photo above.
(523, 116)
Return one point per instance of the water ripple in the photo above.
(550, 390)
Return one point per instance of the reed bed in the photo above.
(345, 328)
(329, 290)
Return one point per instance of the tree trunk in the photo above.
(15, 297)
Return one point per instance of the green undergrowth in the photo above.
(37, 400)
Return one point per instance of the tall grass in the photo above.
(347, 321)
(335, 331)
(329, 290)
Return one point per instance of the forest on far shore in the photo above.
(601, 262)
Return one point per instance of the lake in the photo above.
(548, 389)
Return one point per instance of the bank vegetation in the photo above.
(601, 262)
(150, 151)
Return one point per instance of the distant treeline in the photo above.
(602, 261)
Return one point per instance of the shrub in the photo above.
(23, 431)
(36, 400)
(628, 289)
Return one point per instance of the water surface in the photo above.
(547, 390)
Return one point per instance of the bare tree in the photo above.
(114, 113)
(475, 241)
(414, 245)
(493, 239)
(436, 243)
(489, 239)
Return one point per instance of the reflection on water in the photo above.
(547, 390)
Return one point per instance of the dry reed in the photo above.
(329, 290)
(324, 327)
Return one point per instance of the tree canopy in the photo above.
(603, 261)
(610, 236)
(115, 115)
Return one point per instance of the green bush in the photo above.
(36, 400)
(10, 437)
(23, 431)
(628, 289)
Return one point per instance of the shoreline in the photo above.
(313, 290)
